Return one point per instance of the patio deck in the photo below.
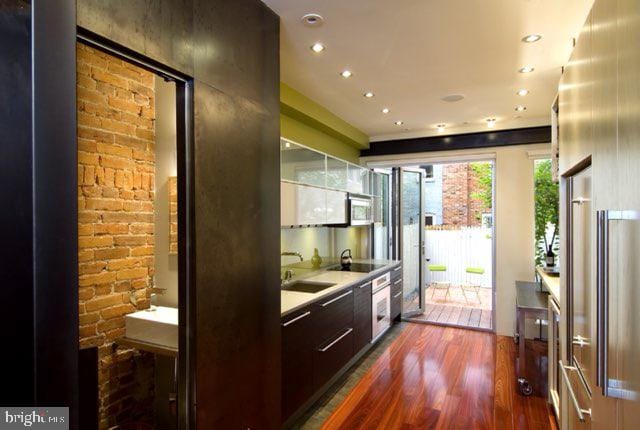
(455, 310)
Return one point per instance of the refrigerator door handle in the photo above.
(602, 238)
(580, 411)
(602, 294)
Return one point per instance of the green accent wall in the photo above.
(304, 121)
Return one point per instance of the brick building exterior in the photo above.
(459, 207)
(116, 168)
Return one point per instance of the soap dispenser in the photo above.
(316, 260)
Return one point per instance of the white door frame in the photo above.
(408, 160)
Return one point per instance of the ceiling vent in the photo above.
(452, 98)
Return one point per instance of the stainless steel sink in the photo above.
(307, 286)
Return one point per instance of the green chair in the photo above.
(472, 286)
(438, 285)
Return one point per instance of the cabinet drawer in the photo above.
(396, 273)
(362, 316)
(331, 356)
(396, 286)
(334, 314)
(396, 304)
(297, 359)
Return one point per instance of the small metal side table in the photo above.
(531, 303)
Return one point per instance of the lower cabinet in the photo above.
(396, 298)
(361, 316)
(329, 358)
(297, 359)
(319, 340)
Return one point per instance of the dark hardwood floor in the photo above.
(441, 378)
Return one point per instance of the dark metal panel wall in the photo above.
(233, 53)
(160, 29)
(237, 191)
(55, 201)
(39, 228)
(236, 47)
(16, 293)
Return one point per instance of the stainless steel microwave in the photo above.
(360, 210)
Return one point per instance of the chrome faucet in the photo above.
(292, 254)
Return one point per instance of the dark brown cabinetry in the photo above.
(319, 340)
(396, 297)
(333, 336)
(361, 316)
(297, 359)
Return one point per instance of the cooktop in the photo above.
(358, 267)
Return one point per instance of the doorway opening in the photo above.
(134, 146)
(446, 230)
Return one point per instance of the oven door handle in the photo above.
(382, 287)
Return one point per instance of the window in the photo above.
(428, 173)
(429, 219)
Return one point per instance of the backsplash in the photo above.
(329, 241)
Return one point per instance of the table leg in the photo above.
(521, 344)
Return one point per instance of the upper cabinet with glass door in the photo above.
(306, 166)
(302, 165)
(336, 173)
(357, 179)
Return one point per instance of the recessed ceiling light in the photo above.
(287, 145)
(312, 19)
(346, 74)
(526, 69)
(368, 94)
(452, 98)
(385, 110)
(398, 123)
(491, 122)
(531, 38)
(441, 128)
(522, 92)
(521, 108)
(317, 47)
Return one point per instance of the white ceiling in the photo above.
(411, 53)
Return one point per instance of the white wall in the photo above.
(166, 265)
(514, 222)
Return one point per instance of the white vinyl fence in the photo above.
(457, 250)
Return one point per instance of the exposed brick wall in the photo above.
(459, 182)
(116, 113)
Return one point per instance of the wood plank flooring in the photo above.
(434, 377)
(456, 315)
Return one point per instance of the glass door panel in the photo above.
(381, 215)
(336, 173)
(303, 165)
(411, 215)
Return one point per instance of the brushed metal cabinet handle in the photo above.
(326, 348)
(398, 281)
(397, 295)
(397, 268)
(298, 318)
(581, 412)
(364, 285)
(337, 298)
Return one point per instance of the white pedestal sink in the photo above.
(157, 326)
